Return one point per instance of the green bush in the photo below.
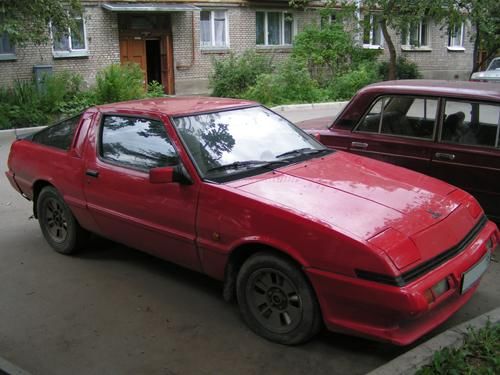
(329, 52)
(56, 89)
(404, 69)
(291, 83)
(155, 90)
(233, 75)
(117, 83)
(345, 86)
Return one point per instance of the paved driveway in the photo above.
(114, 310)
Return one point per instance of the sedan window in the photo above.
(138, 143)
(474, 124)
(401, 116)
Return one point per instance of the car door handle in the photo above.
(444, 156)
(92, 173)
(359, 144)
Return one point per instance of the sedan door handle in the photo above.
(92, 173)
(359, 144)
(443, 156)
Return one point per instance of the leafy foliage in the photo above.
(291, 83)
(480, 354)
(118, 83)
(346, 85)
(329, 51)
(26, 20)
(61, 95)
(404, 69)
(235, 74)
(155, 90)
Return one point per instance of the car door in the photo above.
(397, 129)
(157, 218)
(467, 153)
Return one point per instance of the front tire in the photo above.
(276, 300)
(58, 225)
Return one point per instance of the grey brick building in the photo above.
(175, 41)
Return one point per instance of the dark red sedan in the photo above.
(301, 234)
(448, 130)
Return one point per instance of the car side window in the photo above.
(139, 143)
(401, 115)
(475, 124)
(59, 135)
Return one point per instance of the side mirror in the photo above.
(162, 175)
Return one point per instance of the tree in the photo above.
(399, 14)
(485, 17)
(26, 21)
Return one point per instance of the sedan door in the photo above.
(128, 208)
(467, 153)
(398, 130)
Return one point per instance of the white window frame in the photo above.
(370, 45)
(80, 52)
(406, 46)
(460, 46)
(212, 29)
(282, 13)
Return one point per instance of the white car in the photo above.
(492, 74)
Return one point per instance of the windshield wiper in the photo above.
(248, 164)
(302, 151)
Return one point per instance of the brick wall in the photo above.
(102, 43)
(439, 62)
(193, 78)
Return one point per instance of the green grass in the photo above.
(479, 355)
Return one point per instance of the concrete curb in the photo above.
(411, 361)
(294, 107)
(11, 369)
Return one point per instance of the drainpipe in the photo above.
(190, 65)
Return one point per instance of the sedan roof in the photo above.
(176, 106)
(458, 89)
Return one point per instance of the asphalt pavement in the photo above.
(115, 310)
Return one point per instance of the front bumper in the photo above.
(399, 315)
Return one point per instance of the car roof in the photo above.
(176, 106)
(458, 89)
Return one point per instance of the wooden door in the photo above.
(134, 50)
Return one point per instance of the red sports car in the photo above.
(301, 234)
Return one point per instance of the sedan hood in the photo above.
(357, 195)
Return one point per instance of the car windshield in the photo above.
(224, 145)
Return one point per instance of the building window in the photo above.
(6, 47)
(456, 37)
(72, 42)
(415, 35)
(213, 28)
(372, 32)
(274, 28)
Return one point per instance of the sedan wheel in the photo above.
(276, 300)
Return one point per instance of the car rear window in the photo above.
(59, 135)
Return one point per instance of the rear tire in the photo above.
(58, 225)
(276, 300)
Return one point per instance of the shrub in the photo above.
(291, 83)
(345, 86)
(78, 103)
(118, 83)
(328, 52)
(233, 75)
(404, 69)
(57, 88)
(155, 90)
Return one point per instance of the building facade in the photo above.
(176, 41)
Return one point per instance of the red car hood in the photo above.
(364, 197)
